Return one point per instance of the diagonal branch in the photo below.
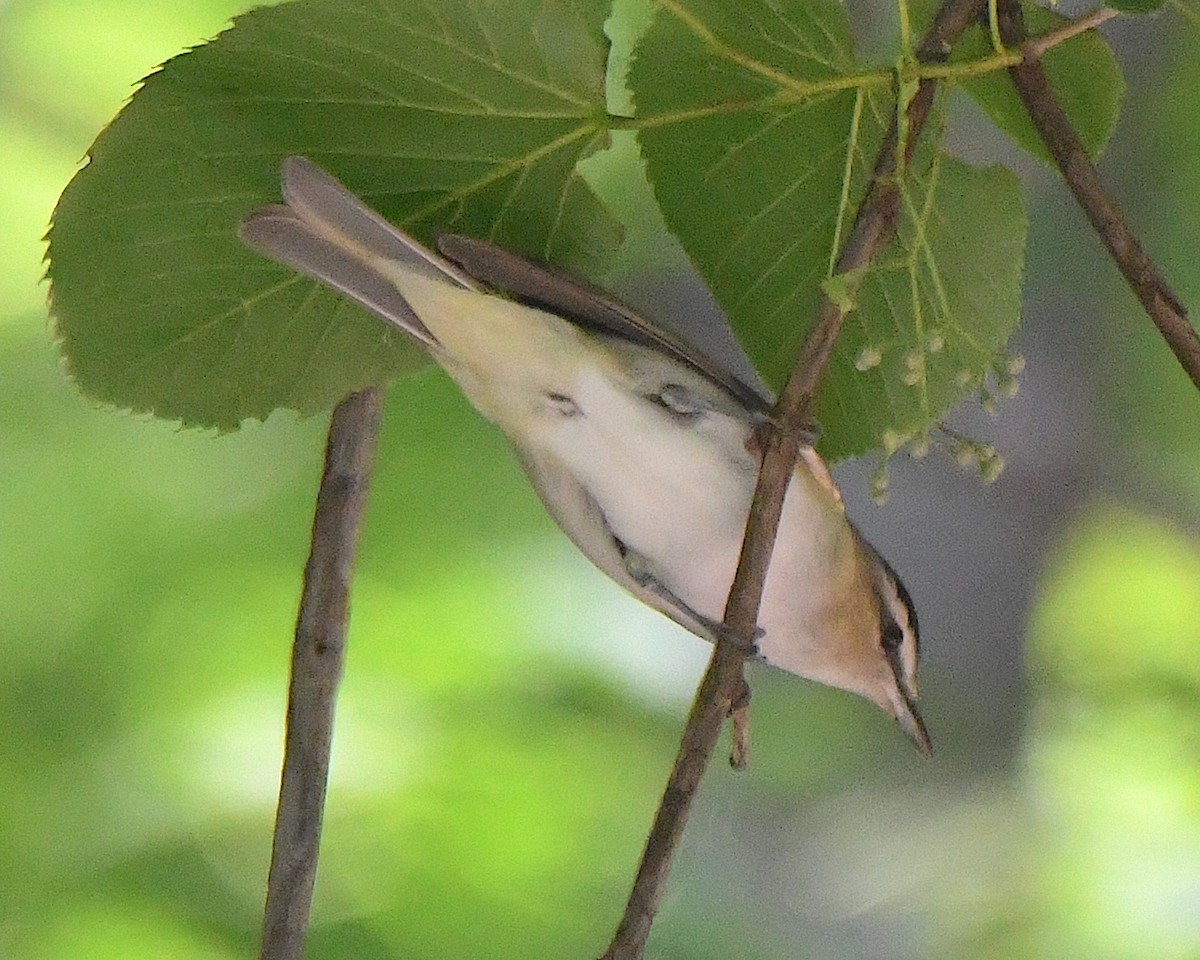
(1143, 276)
(723, 684)
(318, 654)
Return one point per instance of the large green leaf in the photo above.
(470, 114)
(1083, 72)
(759, 149)
(934, 315)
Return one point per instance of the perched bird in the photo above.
(642, 449)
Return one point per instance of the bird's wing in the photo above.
(543, 286)
(581, 519)
(325, 231)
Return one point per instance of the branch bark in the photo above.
(874, 229)
(318, 655)
(1107, 218)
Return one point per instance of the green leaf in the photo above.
(759, 152)
(1083, 72)
(939, 308)
(461, 114)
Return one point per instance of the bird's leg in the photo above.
(638, 567)
(756, 441)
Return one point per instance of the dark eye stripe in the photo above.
(888, 610)
(892, 641)
(906, 601)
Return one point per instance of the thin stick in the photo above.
(318, 654)
(1108, 219)
(874, 228)
(1037, 46)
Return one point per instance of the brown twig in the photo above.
(1036, 47)
(1148, 284)
(874, 228)
(318, 654)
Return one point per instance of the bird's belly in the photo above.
(814, 554)
(682, 509)
(812, 545)
(675, 494)
(680, 498)
(679, 494)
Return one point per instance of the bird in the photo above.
(643, 449)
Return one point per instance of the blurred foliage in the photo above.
(65, 69)
(508, 717)
(1160, 163)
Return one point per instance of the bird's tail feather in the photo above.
(325, 231)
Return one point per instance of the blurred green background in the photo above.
(508, 717)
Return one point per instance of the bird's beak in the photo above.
(910, 721)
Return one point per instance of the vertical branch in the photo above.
(318, 655)
(1107, 218)
(723, 683)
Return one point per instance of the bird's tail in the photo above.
(325, 231)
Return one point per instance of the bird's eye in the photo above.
(893, 636)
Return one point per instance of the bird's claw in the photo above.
(806, 436)
(724, 633)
